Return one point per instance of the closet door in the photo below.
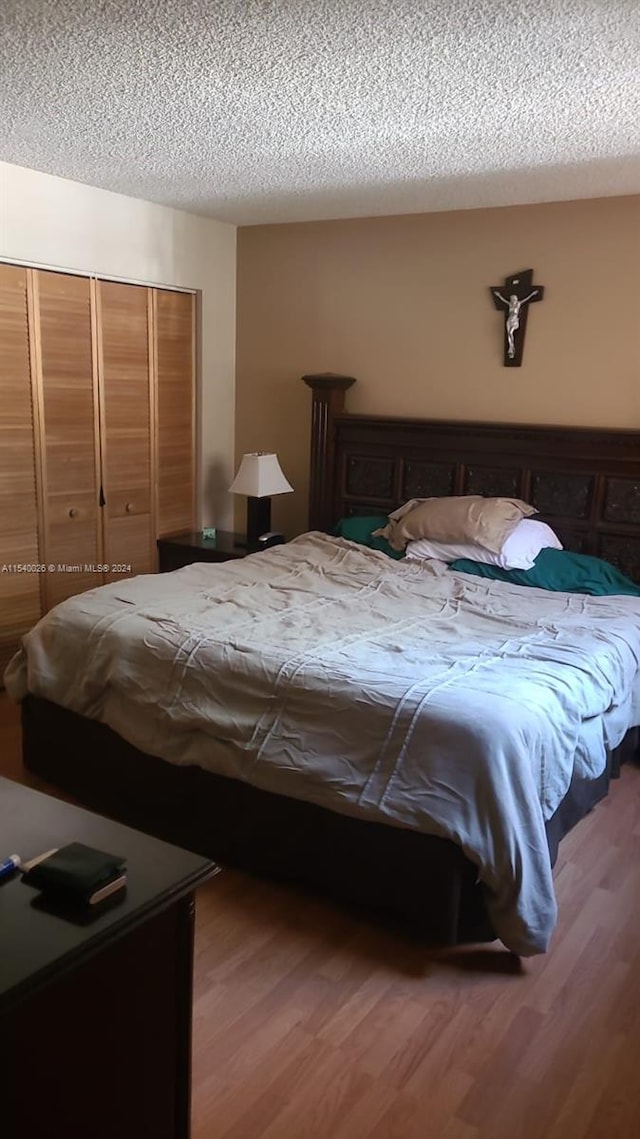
(174, 315)
(19, 588)
(126, 422)
(69, 434)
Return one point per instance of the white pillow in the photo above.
(519, 551)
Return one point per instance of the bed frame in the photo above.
(585, 483)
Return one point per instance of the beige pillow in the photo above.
(469, 518)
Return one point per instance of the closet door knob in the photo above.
(73, 512)
(129, 507)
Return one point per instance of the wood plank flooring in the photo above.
(312, 1023)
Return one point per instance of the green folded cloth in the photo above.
(561, 571)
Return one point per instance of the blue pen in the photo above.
(9, 866)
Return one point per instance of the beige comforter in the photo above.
(389, 690)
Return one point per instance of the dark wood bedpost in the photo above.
(328, 401)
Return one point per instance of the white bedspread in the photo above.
(387, 690)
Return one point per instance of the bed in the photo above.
(585, 483)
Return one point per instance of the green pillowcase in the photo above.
(360, 529)
(561, 571)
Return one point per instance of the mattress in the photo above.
(393, 691)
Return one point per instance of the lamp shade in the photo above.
(260, 475)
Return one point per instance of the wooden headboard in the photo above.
(584, 481)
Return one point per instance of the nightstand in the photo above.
(178, 550)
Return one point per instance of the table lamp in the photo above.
(259, 477)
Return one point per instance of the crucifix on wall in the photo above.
(514, 298)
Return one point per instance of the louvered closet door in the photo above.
(174, 339)
(129, 531)
(69, 439)
(19, 589)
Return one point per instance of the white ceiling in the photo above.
(282, 110)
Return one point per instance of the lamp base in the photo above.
(258, 519)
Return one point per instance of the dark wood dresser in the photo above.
(95, 1010)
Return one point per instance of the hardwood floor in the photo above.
(311, 1023)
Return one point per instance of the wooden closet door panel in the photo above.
(123, 322)
(174, 317)
(69, 434)
(20, 605)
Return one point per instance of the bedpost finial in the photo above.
(328, 381)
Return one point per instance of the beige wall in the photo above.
(66, 225)
(402, 303)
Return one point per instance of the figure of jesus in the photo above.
(514, 305)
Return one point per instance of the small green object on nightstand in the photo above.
(209, 532)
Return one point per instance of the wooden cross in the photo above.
(514, 298)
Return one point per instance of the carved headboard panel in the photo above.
(585, 482)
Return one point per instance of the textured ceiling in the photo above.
(281, 110)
